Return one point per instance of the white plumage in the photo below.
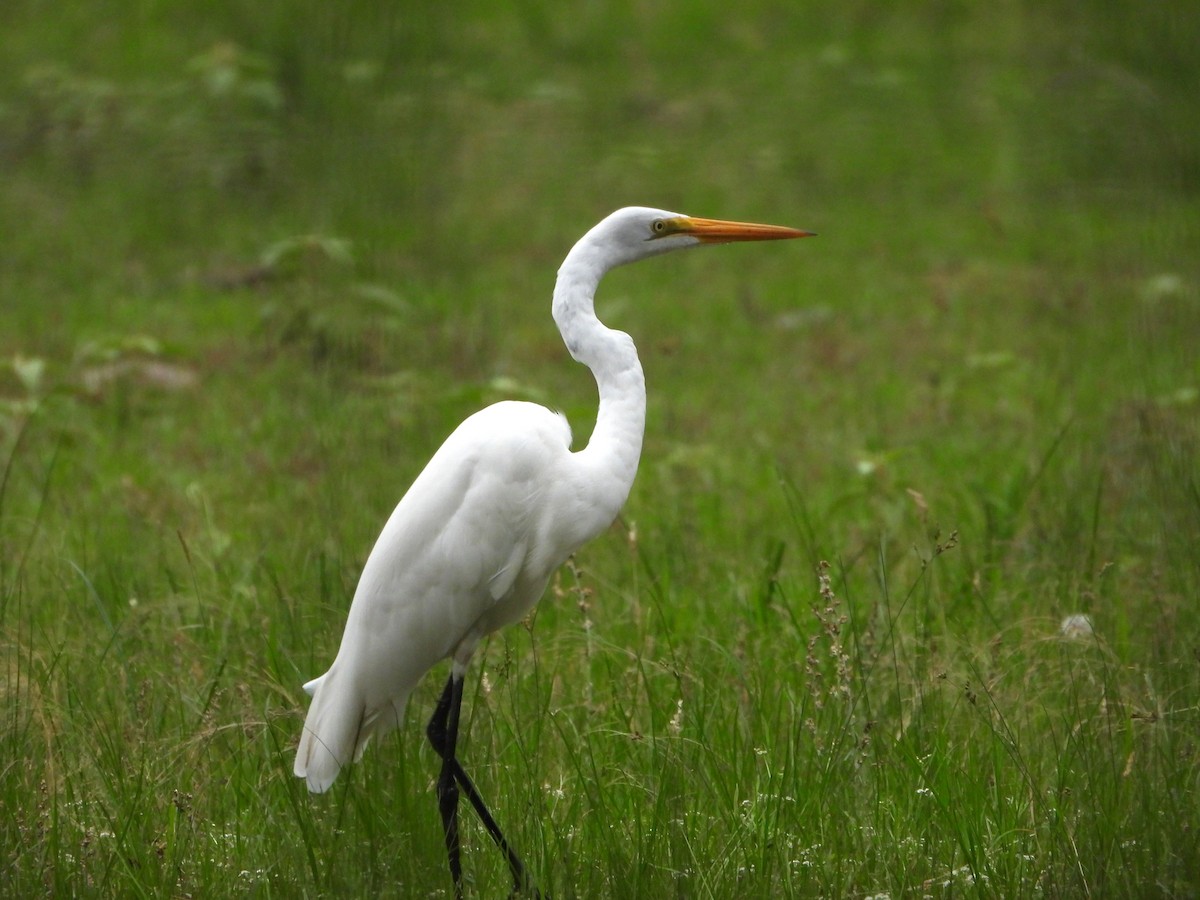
(468, 549)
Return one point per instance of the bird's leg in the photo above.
(443, 735)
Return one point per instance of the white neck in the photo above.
(609, 462)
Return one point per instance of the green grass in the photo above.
(258, 260)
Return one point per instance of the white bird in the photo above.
(472, 545)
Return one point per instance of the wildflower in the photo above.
(675, 726)
(1076, 627)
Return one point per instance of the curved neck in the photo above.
(611, 456)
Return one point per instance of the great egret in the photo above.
(500, 506)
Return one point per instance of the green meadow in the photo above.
(906, 599)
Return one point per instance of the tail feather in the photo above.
(333, 733)
(337, 729)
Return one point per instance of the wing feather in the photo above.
(451, 564)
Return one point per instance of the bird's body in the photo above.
(516, 497)
(500, 506)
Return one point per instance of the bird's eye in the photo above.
(659, 227)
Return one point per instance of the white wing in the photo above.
(468, 549)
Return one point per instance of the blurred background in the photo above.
(427, 162)
(147, 144)
(369, 203)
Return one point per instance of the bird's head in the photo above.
(637, 232)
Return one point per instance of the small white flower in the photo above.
(676, 724)
(1076, 627)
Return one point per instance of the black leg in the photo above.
(443, 735)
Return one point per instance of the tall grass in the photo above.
(259, 260)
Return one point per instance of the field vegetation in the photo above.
(906, 599)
